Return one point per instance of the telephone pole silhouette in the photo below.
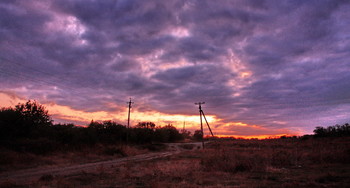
(127, 129)
(201, 113)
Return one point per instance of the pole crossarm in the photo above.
(200, 105)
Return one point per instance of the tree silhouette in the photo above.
(168, 133)
(28, 128)
(198, 135)
(34, 113)
(333, 131)
(147, 125)
(23, 120)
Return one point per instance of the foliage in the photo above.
(24, 120)
(333, 131)
(167, 133)
(34, 113)
(147, 125)
(186, 134)
(313, 162)
(29, 128)
(198, 135)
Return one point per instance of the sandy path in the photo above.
(36, 173)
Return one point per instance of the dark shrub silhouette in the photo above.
(167, 133)
(333, 131)
(198, 135)
(25, 120)
(34, 113)
(147, 125)
(29, 128)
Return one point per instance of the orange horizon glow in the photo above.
(259, 137)
(66, 114)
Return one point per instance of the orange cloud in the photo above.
(66, 114)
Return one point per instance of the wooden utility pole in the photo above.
(207, 124)
(183, 128)
(201, 113)
(127, 128)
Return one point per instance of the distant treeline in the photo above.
(333, 131)
(29, 128)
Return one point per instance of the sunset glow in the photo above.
(258, 76)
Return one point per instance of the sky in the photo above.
(262, 67)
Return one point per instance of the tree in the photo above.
(185, 134)
(147, 125)
(24, 120)
(168, 133)
(320, 132)
(333, 131)
(9, 123)
(34, 113)
(198, 135)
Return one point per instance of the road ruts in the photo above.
(36, 173)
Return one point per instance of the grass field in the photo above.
(322, 162)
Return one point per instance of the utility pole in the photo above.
(201, 113)
(207, 124)
(127, 129)
(183, 128)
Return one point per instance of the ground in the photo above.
(236, 163)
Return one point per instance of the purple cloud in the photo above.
(257, 62)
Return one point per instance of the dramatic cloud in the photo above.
(263, 67)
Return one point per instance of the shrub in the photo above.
(333, 131)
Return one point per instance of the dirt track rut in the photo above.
(36, 173)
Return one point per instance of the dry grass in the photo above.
(11, 160)
(261, 155)
(239, 163)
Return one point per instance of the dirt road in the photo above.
(36, 173)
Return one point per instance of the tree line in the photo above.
(29, 127)
(333, 131)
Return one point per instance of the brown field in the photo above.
(12, 160)
(323, 162)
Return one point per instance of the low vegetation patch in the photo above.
(316, 162)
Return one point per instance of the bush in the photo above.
(28, 127)
(333, 131)
(198, 135)
(23, 120)
(167, 134)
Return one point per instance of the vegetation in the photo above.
(198, 135)
(30, 139)
(292, 162)
(333, 131)
(23, 120)
(29, 128)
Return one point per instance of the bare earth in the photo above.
(22, 176)
(232, 163)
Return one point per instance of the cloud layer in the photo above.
(282, 66)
